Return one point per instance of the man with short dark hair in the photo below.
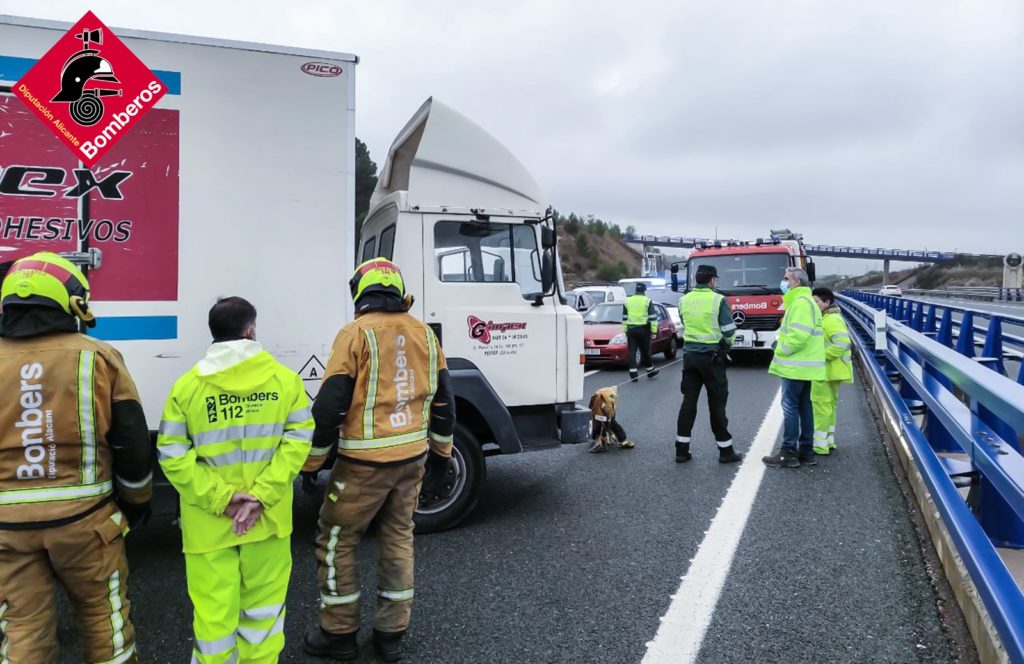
(235, 432)
(708, 330)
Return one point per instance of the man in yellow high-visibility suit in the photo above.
(838, 367)
(234, 434)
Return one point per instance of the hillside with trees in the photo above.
(592, 250)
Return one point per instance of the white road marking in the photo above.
(591, 372)
(683, 626)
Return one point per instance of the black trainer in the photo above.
(683, 452)
(729, 455)
(339, 647)
(784, 458)
(388, 645)
(651, 373)
(809, 459)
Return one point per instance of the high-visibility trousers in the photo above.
(238, 596)
(824, 399)
(355, 495)
(87, 558)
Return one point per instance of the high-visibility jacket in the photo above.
(800, 347)
(386, 395)
(838, 352)
(238, 421)
(637, 311)
(72, 430)
(707, 319)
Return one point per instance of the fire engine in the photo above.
(748, 275)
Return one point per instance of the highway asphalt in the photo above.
(574, 557)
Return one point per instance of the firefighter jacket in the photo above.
(638, 311)
(800, 347)
(72, 430)
(386, 396)
(838, 353)
(238, 421)
(707, 320)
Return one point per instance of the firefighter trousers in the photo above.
(703, 369)
(238, 596)
(356, 494)
(639, 338)
(87, 558)
(824, 399)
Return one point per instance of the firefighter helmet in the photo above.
(83, 67)
(47, 280)
(377, 275)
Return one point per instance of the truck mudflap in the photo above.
(574, 424)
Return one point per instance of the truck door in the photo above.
(480, 282)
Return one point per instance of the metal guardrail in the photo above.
(961, 406)
(936, 320)
(989, 293)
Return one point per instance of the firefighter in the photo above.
(708, 330)
(799, 360)
(75, 468)
(386, 401)
(838, 369)
(640, 323)
(234, 434)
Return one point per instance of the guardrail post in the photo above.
(945, 335)
(881, 343)
(965, 341)
(994, 345)
(929, 321)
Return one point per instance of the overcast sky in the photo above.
(871, 122)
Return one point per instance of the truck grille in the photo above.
(767, 323)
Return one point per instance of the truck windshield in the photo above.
(744, 273)
(482, 252)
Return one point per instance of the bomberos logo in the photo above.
(90, 89)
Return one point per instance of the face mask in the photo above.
(784, 285)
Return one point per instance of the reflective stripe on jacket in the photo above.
(239, 421)
(800, 347)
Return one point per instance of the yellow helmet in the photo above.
(378, 275)
(47, 280)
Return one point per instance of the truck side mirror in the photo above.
(547, 238)
(675, 278)
(547, 276)
(810, 270)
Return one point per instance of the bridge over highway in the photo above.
(629, 557)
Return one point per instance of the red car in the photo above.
(604, 340)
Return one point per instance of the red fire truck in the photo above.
(748, 275)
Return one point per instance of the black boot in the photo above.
(784, 458)
(339, 647)
(652, 372)
(683, 452)
(388, 645)
(728, 455)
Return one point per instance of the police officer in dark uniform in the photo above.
(707, 337)
(640, 324)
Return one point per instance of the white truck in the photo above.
(233, 187)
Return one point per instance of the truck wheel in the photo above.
(673, 348)
(470, 471)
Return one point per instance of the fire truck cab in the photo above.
(748, 275)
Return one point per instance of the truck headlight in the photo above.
(618, 339)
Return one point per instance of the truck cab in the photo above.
(469, 227)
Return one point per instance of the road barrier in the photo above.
(958, 422)
(984, 328)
